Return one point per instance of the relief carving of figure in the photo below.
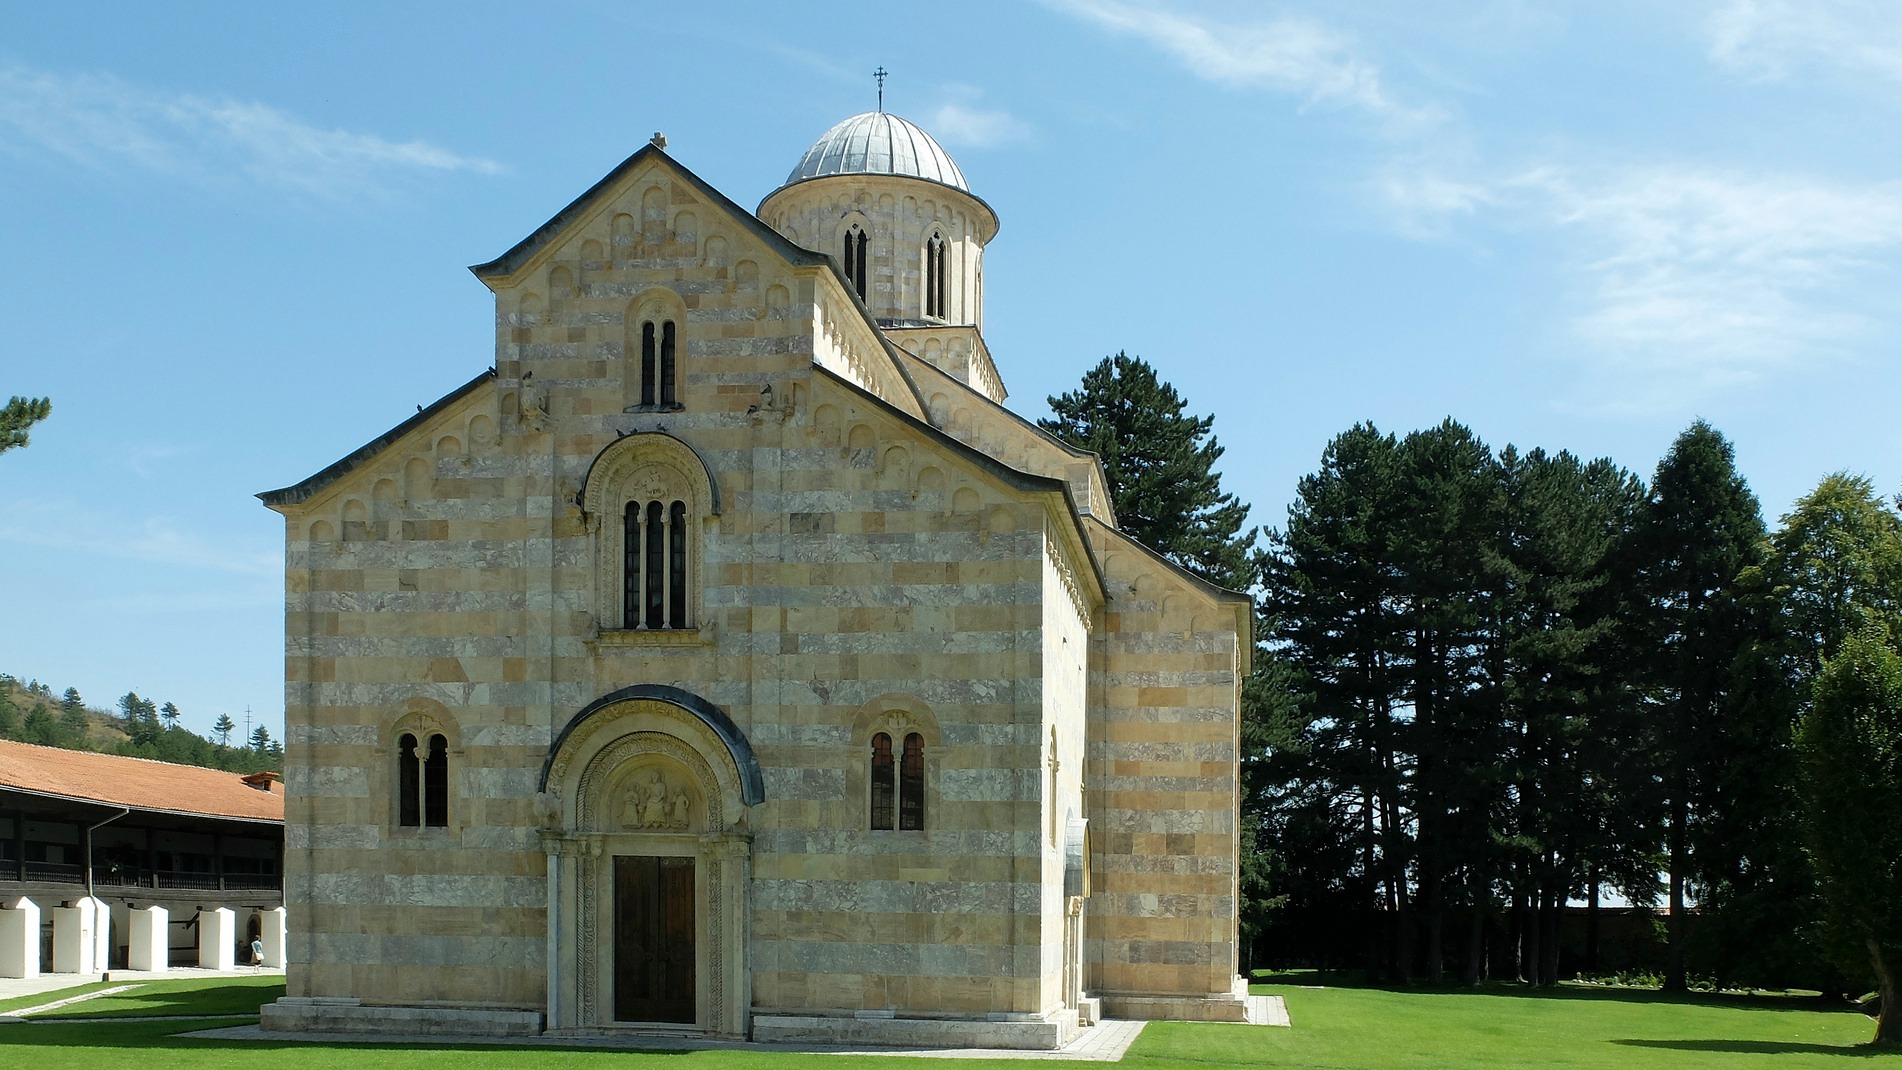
(652, 804)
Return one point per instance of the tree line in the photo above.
(1493, 682)
(139, 728)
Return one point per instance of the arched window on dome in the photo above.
(856, 268)
(935, 287)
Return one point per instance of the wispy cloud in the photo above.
(1699, 279)
(101, 121)
(1288, 54)
(1770, 39)
(963, 121)
(66, 525)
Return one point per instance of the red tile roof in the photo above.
(137, 783)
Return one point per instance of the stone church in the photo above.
(728, 660)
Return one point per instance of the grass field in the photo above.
(1334, 1029)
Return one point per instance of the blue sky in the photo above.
(236, 237)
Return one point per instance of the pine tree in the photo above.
(17, 416)
(40, 727)
(1160, 466)
(1331, 595)
(169, 714)
(141, 721)
(261, 739)
(224, 726)
(1700, 529)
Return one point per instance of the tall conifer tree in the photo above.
(1700, 528)
(1160, 464)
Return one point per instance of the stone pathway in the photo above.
(1104, 1042)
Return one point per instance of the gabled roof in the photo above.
(300, 492)
(525, 250)
(135, 783)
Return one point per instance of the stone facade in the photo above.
(657, 585)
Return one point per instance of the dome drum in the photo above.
(885, 200)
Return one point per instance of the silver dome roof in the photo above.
(878, 143)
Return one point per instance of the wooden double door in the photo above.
(654, 939)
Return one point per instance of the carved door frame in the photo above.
(596, 806)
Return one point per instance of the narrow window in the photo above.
(667, 392)
(881, 782)
(934, 277)
(436, 784)
(647, 363)
(855, 266)
(911, 784)
(655, 548)
(408, 798)
(677, 566)
(631, 566)
(864, 268)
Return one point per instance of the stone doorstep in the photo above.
(1035, 1034)
(1177, 1009)
(294, 1015)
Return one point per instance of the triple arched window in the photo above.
(936, 289)
(901, 781)
(422, 780)
(655, 573)
(659, 366)
(647, 500)
(856, 265)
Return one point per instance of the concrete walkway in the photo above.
(1104, 1042)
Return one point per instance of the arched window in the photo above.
(936, 288)
(659, 367)
(436, 784)
(422, 782)
(655, 571)
(882, 782)
(911, 784)
(409, 796)
(648, 498)
(856, 269)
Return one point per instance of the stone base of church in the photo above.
(291, 1014)
(1231, 1006)
(1027, 1032)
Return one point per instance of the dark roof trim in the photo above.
(1213, 590)
(301, 492)
(102, 804)
(1029, 425)
(752, 783)
(524, 250)
(1022, 480)
(996, 224)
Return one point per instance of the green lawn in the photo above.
(223, 995)
(1334, 1028)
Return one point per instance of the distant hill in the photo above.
(33, 712)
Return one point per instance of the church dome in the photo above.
(878, 143)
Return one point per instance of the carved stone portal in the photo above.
(653, 801)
